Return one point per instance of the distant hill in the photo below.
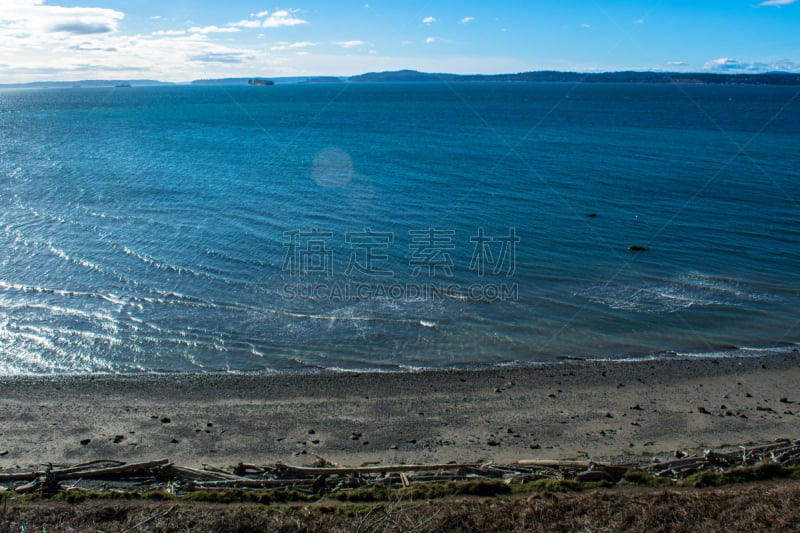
(243, 81)
(82, 83)
(398, 76)
(770, 78)
(325, 79)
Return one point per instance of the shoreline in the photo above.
(720, 352)
(559, 410)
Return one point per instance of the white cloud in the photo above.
(36, 20)
(466, 20)
(156, 17)
(213, 29)
(261, 14)
(168, 32)
(39, 41)
(777, 3)
(279, 46)
(428, 20)
(350, 44)
(726, 64)
(283, 18)
(677, 63)
(245, 24)
(430, 40)
(219, 57)
(586, 25)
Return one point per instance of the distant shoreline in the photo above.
(413, 76)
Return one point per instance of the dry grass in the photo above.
(764, 506)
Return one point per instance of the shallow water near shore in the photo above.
(296, 228)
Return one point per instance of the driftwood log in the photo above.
(327, 476)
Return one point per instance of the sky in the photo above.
(183, 40)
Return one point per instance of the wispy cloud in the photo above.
(430, 40)
(777, 3)
(213, 29)
(428, 20)
(586, 25)
(350, 44)
(467, 20)
(279, 46)
(246, 23)
(82, 28)
(638, 21)
(677, 63)
(168, 33)
(218, 57)
(727, 64)
(284, 17)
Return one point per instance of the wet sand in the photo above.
(548, 412)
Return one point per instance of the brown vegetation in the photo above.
(764, 506)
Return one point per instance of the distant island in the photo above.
(83, 83)
(414, 76)
(260, 82)
(551, 76)
(246, 81)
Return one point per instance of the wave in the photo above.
(692, 289)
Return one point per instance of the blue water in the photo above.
(394, 227)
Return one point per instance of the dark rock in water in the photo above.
(592, 215)
(636, 248)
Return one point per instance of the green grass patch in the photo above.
(77, 496)
(424, 491)
(645, 479)
(482, 488)
(245, 496)
(763, 472)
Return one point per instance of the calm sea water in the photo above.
(391, 227)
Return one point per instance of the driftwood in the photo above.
(123, 470)
(82, 471)
(557, 464)
(328, 477)
(323, 471)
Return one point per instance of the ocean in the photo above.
(395, 227)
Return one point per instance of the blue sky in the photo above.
(181, 40)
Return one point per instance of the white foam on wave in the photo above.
(692, 289)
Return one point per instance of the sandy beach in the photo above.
(563, 411)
